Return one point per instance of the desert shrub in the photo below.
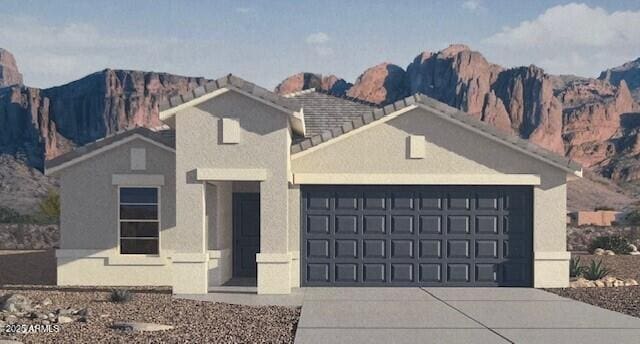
(8, 215)
(120, 296)
(615, 243)
(48, 212)
(595, 271)
(49, 208)
(633, 217)
(575, 269)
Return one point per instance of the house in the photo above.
(603, 218)
(311, 190)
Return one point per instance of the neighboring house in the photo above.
(603, 218)
(311, 190)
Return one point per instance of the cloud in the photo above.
(49, 55)
(318, 41)
(472, 5)
(317, 38)
(573, 38)
(244, 10)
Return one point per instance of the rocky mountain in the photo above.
(39, 124)
(304, 81)
(9, 74)
(594, 122)
(629, 72)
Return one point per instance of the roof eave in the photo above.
(53, 166)
(570, 167)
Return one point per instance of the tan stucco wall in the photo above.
(294, 234)
(450, 149)
(88, 219)
(264, 144)
(89, 200)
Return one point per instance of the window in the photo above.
(139, 220)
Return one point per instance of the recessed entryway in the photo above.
(246, 234)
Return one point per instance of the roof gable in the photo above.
(446, 112)
(200, 94)
(164, 139)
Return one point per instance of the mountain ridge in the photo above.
(593, 121)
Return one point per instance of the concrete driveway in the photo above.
(456, 315)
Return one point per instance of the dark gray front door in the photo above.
(416, 235)
(246, 233)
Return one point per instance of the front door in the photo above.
(246, 234)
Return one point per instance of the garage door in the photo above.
(416, 236)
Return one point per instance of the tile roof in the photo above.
(231, 82)
(323, 112)
(442, 110)
(164, 137)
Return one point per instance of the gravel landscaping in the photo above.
(620, 299)
(623, 266)
(192, 321)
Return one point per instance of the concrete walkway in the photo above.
(456, 315)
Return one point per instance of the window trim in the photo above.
(119, 220)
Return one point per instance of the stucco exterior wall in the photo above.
(263, 144)
(88, 220)
(294, 234)
(452, 150)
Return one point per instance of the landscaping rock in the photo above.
(46, 302)
(634, 253)
(582, 283)
(608, 281)
(84, 312)
(66, 311)
(14, 303)
(140, 326)
(63, 319)
(598, 252)
(609, 253)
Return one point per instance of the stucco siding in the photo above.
(89, 200)
(451, 150)
(263, 143)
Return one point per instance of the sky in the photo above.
(266, 41)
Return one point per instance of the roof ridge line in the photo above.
(297, 93)
(233, 82)
(444, 109)
(349, 98)
(326, 92)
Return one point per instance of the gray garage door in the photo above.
(416, 235)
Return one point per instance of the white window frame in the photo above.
(119, 220)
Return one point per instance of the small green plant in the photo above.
(633, 217)
(575, 269)
(615, 243)
(595, 271)
(120, 296)
(50, 206)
